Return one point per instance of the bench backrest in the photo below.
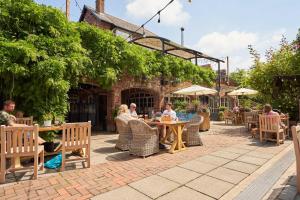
(296, 139)
(76, 135)
(25, 120)
(17, 141)
(269, 123)
(251, 117)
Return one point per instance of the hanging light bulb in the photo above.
(158, 17)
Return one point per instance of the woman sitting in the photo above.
(123, 113)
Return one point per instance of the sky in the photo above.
(218, 28)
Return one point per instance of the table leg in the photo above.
(177, 145)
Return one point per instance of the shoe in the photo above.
(162, 146)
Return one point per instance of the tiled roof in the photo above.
(115, 21)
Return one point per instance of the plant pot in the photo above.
(49, 146)
(47, 123)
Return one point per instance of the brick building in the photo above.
(90, 102)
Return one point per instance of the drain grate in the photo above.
(260, 186)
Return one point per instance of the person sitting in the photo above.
(7, 119)
(170, 112)
(236, 109)
(270, 112)
(123, 113)
(132, 110)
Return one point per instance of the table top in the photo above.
(50, 128)
(166, 122)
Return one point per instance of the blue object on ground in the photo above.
(54, 162)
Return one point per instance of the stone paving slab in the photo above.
(184, 193)
(154, 186)
(179, 175)
(226, 154)
(123, 193)
(210, 186)
(259, 154)
(237, 150)
(241, 167)
(247, 146)
(228, 175)
(213, 160)
(252, 160)
(198, 166)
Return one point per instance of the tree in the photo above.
(282, 62)
(239, 77)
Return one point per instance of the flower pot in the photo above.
(47, 123)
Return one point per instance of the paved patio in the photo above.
(229, 156)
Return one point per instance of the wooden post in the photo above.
(68, 9)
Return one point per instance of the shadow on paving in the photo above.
(285, 192)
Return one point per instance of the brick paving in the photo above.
(112, 169)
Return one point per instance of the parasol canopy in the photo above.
(242, 92)
(196, 90)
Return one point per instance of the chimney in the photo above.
(100, 6)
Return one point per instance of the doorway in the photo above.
(87, 104)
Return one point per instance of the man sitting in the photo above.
(132, 110)
(169, 112)
(7, 119)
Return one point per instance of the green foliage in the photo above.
(180, 106)
(42, 56)
(222, 108)
(48, 136)
(239, 77)
(221, 116)
(285, 61)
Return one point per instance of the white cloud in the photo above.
(174, 15)
(235, 45)
(226, 43)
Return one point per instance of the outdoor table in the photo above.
(177, 128)
(50, 128)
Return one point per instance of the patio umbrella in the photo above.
(196, 90)
(242, 92)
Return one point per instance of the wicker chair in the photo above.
(125, 134)
(145, 140)
(191, 134)
(296, 139)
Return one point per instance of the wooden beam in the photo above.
(68, 9)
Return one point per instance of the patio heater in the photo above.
(182, 36)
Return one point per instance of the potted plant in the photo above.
(49, 137)
(47, 117)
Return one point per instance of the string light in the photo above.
(158, 13)
(158, 17)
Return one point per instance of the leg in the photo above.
(42, 159)
(88, 153)
(35, 169)
(260, 136)
(278, 138)
(2, 170)
(63, 160)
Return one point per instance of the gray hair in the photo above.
(133, 105)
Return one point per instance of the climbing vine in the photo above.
(42, 56)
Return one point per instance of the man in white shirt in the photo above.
(170, 112)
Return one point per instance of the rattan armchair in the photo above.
(191, 134)
(145, 140)
(125, 134)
